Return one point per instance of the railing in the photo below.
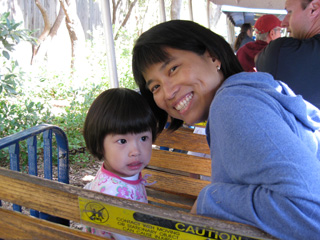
(30, 135)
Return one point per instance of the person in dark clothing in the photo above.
(268, 28)
(295, 59)
(244, 36)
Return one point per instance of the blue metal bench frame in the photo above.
(30, 135)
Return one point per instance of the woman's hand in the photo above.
(194, 208)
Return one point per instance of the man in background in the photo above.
(295, 60)
(267, 28)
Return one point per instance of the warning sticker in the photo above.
(147, 225)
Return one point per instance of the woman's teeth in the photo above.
(184, 103)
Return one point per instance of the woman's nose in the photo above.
(170, 89)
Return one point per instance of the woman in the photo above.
(263, 139)
(244, 36)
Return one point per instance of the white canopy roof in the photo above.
(269, 4)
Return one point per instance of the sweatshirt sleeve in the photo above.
(264, 174)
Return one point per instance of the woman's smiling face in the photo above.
(185, 84)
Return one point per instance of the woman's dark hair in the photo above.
(243, 33)
(184, 35)
(117, 111)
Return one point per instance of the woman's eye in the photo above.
(122, 141)
(154, 88)
(173, 69)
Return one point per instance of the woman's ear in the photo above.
(213, 59)
(209, 55)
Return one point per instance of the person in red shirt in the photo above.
(267, 28)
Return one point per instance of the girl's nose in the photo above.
(134, 149)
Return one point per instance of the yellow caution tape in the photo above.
(147, 225)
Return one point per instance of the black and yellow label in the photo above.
(147, 225)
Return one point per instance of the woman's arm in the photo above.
(265, 169)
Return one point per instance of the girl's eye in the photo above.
(144, 138)
(122, 141)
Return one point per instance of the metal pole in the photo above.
(208, 13)
(190, 10)
(162, 11)
(107, 26)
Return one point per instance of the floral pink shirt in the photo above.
(111, 184)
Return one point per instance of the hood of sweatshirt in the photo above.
(303, 111)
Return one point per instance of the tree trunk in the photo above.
(48, 33)
(141, 17)
(132, 4)
(75, 32)
(175, 9)
(115, 7)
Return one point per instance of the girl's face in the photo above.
(184, 86)
(127, 154)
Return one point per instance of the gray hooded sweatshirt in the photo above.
(264, 143)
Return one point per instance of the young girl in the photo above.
(120, 129)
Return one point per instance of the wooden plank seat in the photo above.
(179, 177)
(130, 218)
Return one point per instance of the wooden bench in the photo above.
(179, 178)
(44, 134)
(179, 175)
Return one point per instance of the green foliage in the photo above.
(17, 115)
(10, 34)
(124, 47)
(17, 111)
(40, 95)
(72, 120)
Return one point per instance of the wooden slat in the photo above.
(183, 139)
(62, 200)
(170, 200)
(14, 225)
(24, 190)
(175, 183)
(181, 162)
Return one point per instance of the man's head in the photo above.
(303, 18)
(268, 27)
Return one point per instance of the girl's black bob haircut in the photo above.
(184, 35)
(117, 111)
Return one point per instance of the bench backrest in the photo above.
(180, 166)
(130, 218)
